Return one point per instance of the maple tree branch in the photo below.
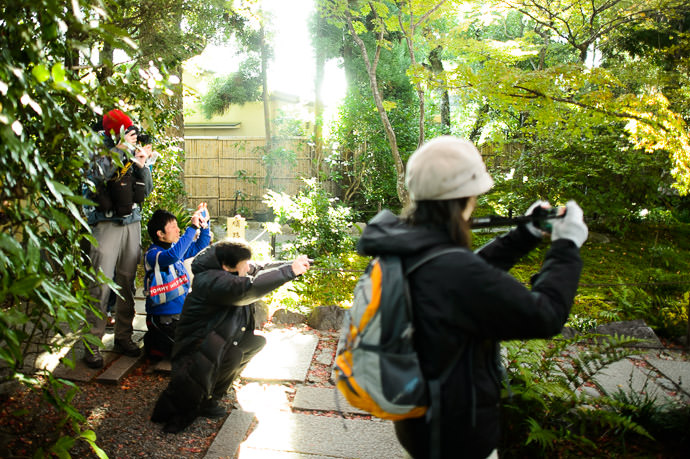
(534, 94)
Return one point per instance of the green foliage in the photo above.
(171, 31)
(46, 143)
(584, 123)
(275, 159)
(235, 89)
(330, 282)
(559, 168)
(663, 311)
(362, 163)
(546, 412)
(319, 221)
(288, 124)
(168, 191)
(49, 99)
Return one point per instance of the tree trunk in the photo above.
(320, 56)
(387, 126)
(418, 85)
(267, 107)
(106, 61)
(437, 68)
(479, 123)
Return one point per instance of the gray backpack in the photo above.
(376, 367)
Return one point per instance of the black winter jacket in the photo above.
(469, 301)
(216, 314)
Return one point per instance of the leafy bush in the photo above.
(49, 104)
(564, 167)
(320, 223)
(663, 311)
(168, 190)
(331, 282)
(362, 164)
(547, 411)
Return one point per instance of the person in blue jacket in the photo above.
(167, 280)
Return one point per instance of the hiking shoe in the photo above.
(126, 347)
(93, 359)
(212, 409)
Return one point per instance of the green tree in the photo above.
(374, 26)
(238, 88)
(380, 41)
(543, 79)
(49, 99)
(167, 32)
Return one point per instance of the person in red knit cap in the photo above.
(116, 225)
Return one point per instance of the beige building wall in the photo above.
(238, 120)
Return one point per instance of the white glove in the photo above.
(572, 226)
(530, 226)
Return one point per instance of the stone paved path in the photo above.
(281, 413)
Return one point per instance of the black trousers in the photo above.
(235, 360)
(160, 335)
(188, 389)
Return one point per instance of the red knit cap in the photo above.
(114, 121)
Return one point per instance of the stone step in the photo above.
(280, 434)
(624, 376)
(116, 365)
(231, 435)
(323, 399)
(286, 357)
(120, 368)
(80, 372)
(676, 371)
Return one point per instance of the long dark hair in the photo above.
(445, 214)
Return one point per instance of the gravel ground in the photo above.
(119, 414)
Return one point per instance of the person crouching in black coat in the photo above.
(215, 339)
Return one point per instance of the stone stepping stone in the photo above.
(139, 323)
(279, 433)
(677, 371)
(81, 373)
(626, 377)
(119, 369)
(163, 366)
(231, 435)
(249, 453)
(286, 357)
(323, 399)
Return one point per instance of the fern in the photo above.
(548, 405)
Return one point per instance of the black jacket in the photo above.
(218, 296)
(469, 301)
(216, 314)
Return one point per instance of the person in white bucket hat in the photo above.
(464, 302)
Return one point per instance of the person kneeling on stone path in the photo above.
(164, 302)
(214, 338)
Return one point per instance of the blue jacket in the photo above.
(185, 248)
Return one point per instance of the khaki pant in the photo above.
(117, 254)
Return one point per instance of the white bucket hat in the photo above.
(446, 168)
